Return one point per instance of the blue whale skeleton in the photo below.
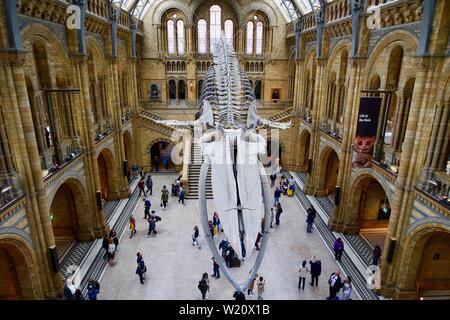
(230, 146)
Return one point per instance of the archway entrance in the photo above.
(66, 208)
(274, 151)
(106, 174)
(372, 210)
(433, 277)
(128, 146)
(15, 280)
(329, 170)
(160, 156)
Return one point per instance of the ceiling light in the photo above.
(174, 16)
(255, 17)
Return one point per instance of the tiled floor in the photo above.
(175, 266)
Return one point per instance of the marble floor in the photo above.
(175, 266)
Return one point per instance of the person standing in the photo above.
(273, 178)
(310, 219)
(195, 237)
(111, 251)
(105, 245)
(277, 195)
(78, 295)
(279, 210)
(216, 272)
(156, 163)
(69, 290)
(239, 296)
(93, 289)
(152, 226)
(135, 169)
(315, 270)
(338, 248)
(335, 284)
(303, 273)
(347, 289)
(149, 184)
(147, 206)
(203, 285)
(376, 255)
(181, 194)
(251, 286)
(141, 186)
(132, 226)
(164, 197)
(113, 236)
(141, 270)
(261, 286)
(216, 223)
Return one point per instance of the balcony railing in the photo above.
(438, 188)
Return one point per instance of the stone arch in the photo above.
(164, 6)
(107, 174)
(70, 214)
(128, 147)
(304, 143)
(17, 255)
(409, 277)
(264, 8)
(162, 154)
(234, 4)
(328, 170)
(355, 218)
(336, 50)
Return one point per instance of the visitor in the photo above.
(196, 237)
(261, 285)
(271, 217)
(141, 186)
(78, 295)
(164, 197)
(211, 228)
(303, 273)
(113, 236)
(278, 213)
(311, 215)
(111, 252)
(273, 178)
(338, 248)
(93, 289)
(335, 284)
(105, 245)
(216, 223)
(166, 162)
(239, 296)
(216, 272)
(181, 195)
(376, 255)
(140, 258)
(174, 190)
(129, 175)
(251, 285)
(258, 239)
(244, 252)
(140, 271)
(69, 289)
(149, 184)
(230, 255)
(135, 169)
(277, 195)
(132, 226)
(224, 246)
(203, 285)
(315, 271)
(147, 206)
(156, 163)
(347, 289)
(142, 173)
(152, 225)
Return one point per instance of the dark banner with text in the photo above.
(366, 131)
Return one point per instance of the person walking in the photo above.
(239, 296)
(152, 225)
(93, 289)
(111, 252)
(310, 219)
(181, 195)
(278, 213)
(135, 169)
(113, 236)
(251, 286)
(156, 163)
(203, 285)
(216, 272)
(303, 273)
(129, 175)
(335, 284)
(195, 237)
(216, 223)
(277, 195)
(69, 289)
(376, 255)
(147, 206)
(261, 286)
(105, 245)
(338, 248)
(315, 271)
(164, 197)
(273, 178)
(132, 226)
(141, 186)
(140, 271)
(149, 184)
(347, 288)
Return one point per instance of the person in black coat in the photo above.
(376, 255)
(105, 244)
(239, 296)
(316, 270)
(335, 284)
(310, 219)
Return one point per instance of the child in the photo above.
(132, 226)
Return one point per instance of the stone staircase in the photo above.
(166, 130)
(194, 174)
(280, 116)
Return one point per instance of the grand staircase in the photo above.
(194, 174)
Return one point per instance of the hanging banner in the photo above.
(366, 131)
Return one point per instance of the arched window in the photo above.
(229, 32)
(215, 25)
(249, 46)
(259, 38)
(180, 36)
(170, 37)
(201, 27)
